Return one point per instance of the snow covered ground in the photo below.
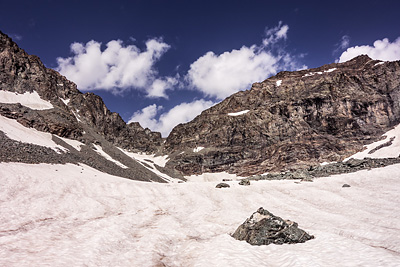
(30, 100)
(16, 131)
(69, 215)
(389, 147)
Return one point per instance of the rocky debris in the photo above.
(317, 115)
(14, 151)
(308, 174)
(222, 185)
(244, 182)
(264, 228)
(346, 185)
(388, 143)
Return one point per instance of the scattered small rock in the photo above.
(346, 185)
(226, 180)
(222, 185)
(244, 182)
(264, 228)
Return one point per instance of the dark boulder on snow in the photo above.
(264, 228)
(346, 185)
(222, 185)
(244, 182)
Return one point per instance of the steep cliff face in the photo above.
(21, 73)
(292, 120)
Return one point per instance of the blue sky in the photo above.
(162, 62)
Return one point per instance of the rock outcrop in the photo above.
(293, 120)
(264, 228)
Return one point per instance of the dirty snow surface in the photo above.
(70, 215)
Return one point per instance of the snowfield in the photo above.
(30, 100)
(389, 147)
(70, 215)
(16, 131)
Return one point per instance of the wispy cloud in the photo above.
(381, 50)
(181, 113)
(342, 45)
(15, 37)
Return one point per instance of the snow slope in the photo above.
(16, 131)
(213, 177)
(30, 100)
(388, 147)
(101, 152)
(69, 215)
(150, 162)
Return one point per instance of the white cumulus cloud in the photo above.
(160, 85)
(116, 68)
(184, 112)
(381, 50)
(224, 74)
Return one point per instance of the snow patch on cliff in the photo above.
(101, 152)
(28, 99)
(389, 147)
(16, 131)
(238, 113)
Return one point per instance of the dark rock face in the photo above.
(294, 120)
(20, 73)
(264, 228)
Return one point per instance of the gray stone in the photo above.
(222, 185)
(264, 228)
(244, 182)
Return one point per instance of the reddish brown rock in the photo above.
(295, 119)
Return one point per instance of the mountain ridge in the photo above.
(69, 114)
(293, 120)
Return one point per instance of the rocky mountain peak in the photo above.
(292, 120)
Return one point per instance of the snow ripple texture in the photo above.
(70, 215)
